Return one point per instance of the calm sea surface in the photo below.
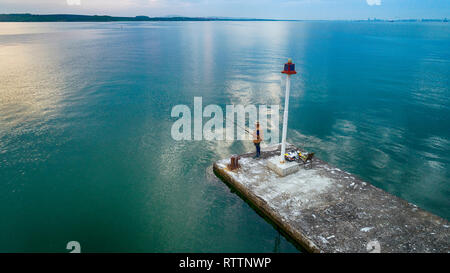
(85, 147)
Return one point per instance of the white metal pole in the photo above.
(285, 118)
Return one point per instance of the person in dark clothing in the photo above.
(257, 139)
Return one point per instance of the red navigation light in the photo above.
(289, 68)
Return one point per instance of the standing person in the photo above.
(257, 138)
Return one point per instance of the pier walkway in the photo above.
(325, 209)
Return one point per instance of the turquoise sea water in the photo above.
(85, 148)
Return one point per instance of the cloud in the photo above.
(74, 2)
(373, 2)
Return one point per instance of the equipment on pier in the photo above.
(295, 155)
(308, 157)
(292, 156)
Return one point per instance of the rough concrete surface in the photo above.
(325, 209)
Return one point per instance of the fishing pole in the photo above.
(245, 129)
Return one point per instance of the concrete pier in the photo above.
(325, 209)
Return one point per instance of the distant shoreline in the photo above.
(26, 17)
(105, 18)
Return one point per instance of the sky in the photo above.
(268, 9)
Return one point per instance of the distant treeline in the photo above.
(26, 17)
(104, 18)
